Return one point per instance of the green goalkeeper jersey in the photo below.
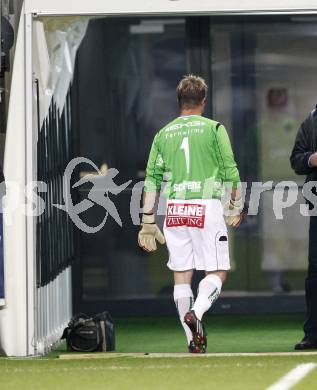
(193, 155)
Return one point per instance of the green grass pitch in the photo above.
(226, 334)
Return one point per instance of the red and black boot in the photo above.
(198, 331)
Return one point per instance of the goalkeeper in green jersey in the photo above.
(195, 153)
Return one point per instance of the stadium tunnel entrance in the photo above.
(124, 91)
(101, 89)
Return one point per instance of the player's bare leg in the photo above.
(208, 291)
(184, 299)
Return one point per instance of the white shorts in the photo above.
(196, 235)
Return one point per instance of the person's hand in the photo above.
(313, 160)
(233, 212)
(149, 233)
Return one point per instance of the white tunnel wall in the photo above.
(13, 316)
(33, 319)
(83, 7)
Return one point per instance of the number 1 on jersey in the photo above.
(185, 147)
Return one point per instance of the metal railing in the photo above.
(55, 233)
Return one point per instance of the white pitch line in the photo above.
(112, 355)
(293, 377)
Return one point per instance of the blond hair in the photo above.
(191, 90)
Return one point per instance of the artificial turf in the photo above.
(228, 373)
(226, 334)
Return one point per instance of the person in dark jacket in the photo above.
(304, 162)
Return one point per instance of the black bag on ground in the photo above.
(90, 334)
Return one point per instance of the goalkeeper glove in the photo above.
(149, 233)
(233, 212)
